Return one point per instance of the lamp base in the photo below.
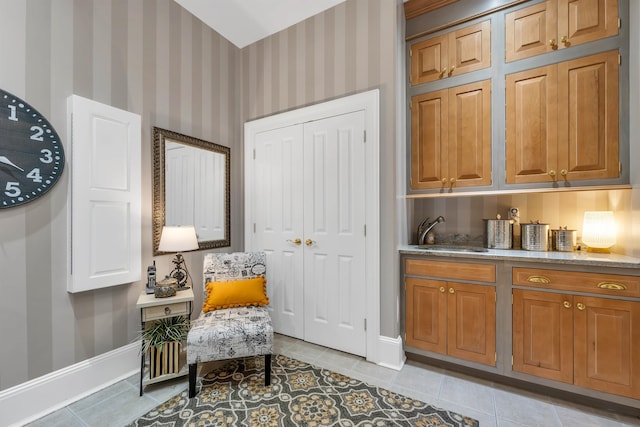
(598, 250)
(179, 271)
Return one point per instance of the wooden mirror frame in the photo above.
(159, 185)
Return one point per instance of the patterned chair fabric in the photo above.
(230, 332)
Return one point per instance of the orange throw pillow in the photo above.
(236, 293)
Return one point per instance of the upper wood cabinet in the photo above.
(562, 121)
(454, 53)
(558, 24)
(451, 137)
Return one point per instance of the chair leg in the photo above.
(267, 369)
(193, 372)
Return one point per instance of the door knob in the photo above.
(295, 241)
(308, 242)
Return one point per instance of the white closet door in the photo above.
(278, 225)
(334, 232)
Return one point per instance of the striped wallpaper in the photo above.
(150, 57)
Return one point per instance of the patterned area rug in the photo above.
(299, 395)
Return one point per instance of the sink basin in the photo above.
(453, 248)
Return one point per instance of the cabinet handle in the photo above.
(580, 306)
(452, 291)
(565, 40)
(294, 241)
(167, 310)
(443, 72)
(566, 304)
(453, 67)
(538, 279)
(553, 44)
(442, 289)
(612, 286)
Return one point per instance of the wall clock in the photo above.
(31, 154)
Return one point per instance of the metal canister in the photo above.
(563, 240)
(534, 236)
(498, 233)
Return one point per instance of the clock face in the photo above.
(31, 154)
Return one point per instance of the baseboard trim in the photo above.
(391, 353)
(33, 399)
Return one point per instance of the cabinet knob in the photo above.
(452, 180)
(552, 173)
(553, 44)
(453, 67)
(452, 291)
(443, 72)
(308, 242)
(580, 306)
(565, 40)
(444, 180)
(167, 310)
(442, 289)
(563, 172)
(294, 241)
(566, 304)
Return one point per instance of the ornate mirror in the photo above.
(191, 179)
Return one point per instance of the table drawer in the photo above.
(451, 270)
(167, 310)
(594, 283)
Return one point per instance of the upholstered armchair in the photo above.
(234, 322)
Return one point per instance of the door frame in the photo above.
(369, 102)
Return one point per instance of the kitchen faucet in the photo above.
(425, 227)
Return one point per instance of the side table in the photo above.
(152, 308)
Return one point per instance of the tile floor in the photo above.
(494, 405)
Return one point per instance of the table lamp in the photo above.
(599, 231)
(178, 239)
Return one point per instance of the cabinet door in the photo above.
(429, 139)
(588, 117)
(470, 49)
(471, 322)
(426, 317)
(543, 334)
(470, 135)
(530, 31)
(581, 21)
(531, 122)
(429, 60)
(607, 345)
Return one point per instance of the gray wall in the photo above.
(348, 49)
(150, 57)
(153, 58)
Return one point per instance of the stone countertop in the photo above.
(552, 257)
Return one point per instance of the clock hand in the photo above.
(6, 161)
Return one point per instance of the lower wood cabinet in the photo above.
(449, 317)
(588, 341)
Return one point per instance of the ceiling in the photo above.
(244, 22)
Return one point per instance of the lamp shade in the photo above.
(178, 239)
(599, 229)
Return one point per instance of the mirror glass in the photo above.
(191, 187)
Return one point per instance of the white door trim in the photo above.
(369, 102)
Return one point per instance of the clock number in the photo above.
(47, 156)
(12, 189)
(37, 133)
(13, 116)
(35, 175)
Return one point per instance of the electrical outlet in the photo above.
(514, 214)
